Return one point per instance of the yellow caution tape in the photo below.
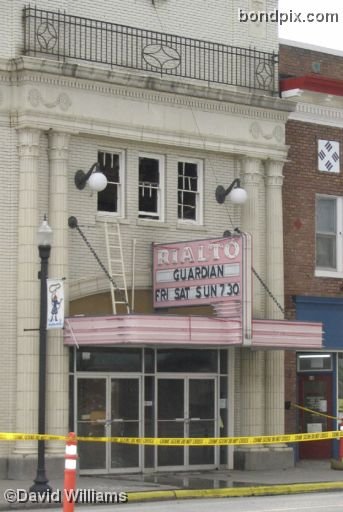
(11, 436)
(317, 413)
(183, 441)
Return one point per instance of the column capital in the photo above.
(251, 165)
(274, 176)
(58, 145)
(28, 142)
(274, 167)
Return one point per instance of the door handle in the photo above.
(180, 419)
(194, 419)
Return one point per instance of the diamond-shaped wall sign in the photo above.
(328, 156)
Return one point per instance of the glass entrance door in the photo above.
(108, 406)
(170, 419)
(201, 419)
(125, 422)
(90, 418)
(186, 407)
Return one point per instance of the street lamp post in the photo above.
(44, 236)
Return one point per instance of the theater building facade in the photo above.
(197, 348)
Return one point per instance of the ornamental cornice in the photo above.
(175, 100)
(140, 87)
(318, 114)
(103, 128)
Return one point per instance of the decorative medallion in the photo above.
(161, 56)
(46, 36)
(279, 133)
(264, 75)
(35, 99)
(257, 132)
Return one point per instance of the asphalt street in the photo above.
(326, 502)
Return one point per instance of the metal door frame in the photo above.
(324, 445)
(108, 378)
(186, 378)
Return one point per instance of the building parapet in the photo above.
(67, 37)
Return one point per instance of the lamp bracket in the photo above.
(82, 177)
(221, 193)
(72, 222)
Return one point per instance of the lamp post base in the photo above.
(23, 467)
(41, 486)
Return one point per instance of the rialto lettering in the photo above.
(199, 254)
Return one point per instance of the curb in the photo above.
(231, 492)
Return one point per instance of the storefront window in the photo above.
(187, 360)
(314, 362)
(108, 359)
(223, 362)
(149, 360)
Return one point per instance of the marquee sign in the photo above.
(197, 272)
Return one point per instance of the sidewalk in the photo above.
(305, 471)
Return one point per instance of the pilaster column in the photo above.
(57, 361)
(274, 375)
(253, 221)
(252, 362)
(27, 289)
(274, 240)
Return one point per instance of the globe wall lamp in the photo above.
(44, 238)
(236, 193)
(96, 180)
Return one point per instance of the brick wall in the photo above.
(300, 61)
(301, 184)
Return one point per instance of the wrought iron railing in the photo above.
(64, 36)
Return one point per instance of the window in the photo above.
(328, 156)
(150, 190)
(111, 199)
(329, 241)
(314, 362)
(189, 191)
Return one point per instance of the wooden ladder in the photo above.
(116, 266)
